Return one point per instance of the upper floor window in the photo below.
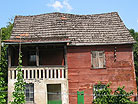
(98, 59)
(32, 58)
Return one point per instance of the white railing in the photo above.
(40, 73)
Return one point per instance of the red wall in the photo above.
(82, 77)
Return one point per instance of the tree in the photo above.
(2, 90)
(105, 96)
(6, 32)
(135, 52)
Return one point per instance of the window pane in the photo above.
(31, 99)
(94, 54)
(31, 95)
(101, 62)
(95, 63)
(101, 53)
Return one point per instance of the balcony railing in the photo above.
(40, 73)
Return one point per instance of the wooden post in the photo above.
(65, 61)
(65, 55)
(9, 56)
(37, 56)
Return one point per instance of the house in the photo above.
(65, 55)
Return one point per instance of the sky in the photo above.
(127, 9)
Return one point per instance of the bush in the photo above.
(105, 95)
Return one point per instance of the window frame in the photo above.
(94, 89)
(97, 56)
(30, 87)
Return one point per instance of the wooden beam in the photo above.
(37, 56)
(9, 56)
(65, 55)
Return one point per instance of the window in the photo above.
(98, 59)
(29, 92)
(96, 88)
(32, 58)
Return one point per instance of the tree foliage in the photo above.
(3, 88)
(6, 32)
(105, 95)
(135, 52)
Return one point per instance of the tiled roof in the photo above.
(96, 29)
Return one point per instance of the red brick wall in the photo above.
(82, 77)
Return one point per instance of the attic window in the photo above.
(98, 59)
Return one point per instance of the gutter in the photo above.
(70, 44)
(42, 42)
(88, 44)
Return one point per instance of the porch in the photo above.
(43, 65)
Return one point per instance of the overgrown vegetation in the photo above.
(105, 95)
(6, 32)
(18, 94)
(135, 52)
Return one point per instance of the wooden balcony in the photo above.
(48, 73)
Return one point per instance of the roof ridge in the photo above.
(66, 14)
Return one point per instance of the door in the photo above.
(54, 93)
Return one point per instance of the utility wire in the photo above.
(58, 93)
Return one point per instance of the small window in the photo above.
(96, 88)
(98, 59)
(29, 92)
(32, 58)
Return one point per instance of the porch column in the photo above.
(65, 56)
(37, 56)
(66, 76)
(9, 56)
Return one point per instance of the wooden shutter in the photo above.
(80, 96)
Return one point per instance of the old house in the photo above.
(65, 55)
